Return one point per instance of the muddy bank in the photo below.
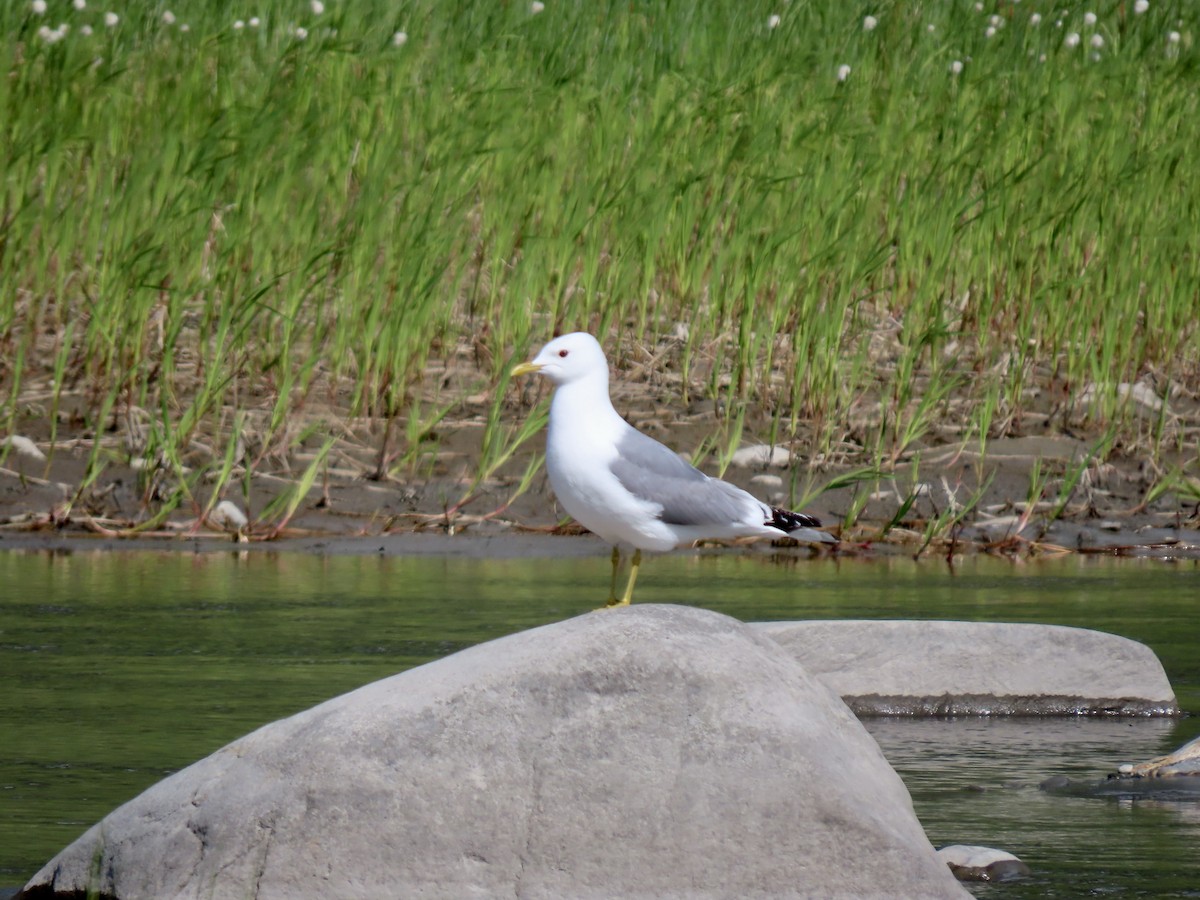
(1033, 493)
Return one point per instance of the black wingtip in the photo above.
(786, 520)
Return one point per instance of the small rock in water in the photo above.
(969, 863)
(1054, 783)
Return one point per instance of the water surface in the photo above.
(119, 668)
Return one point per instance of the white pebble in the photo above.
(23, 445)
(229, 516)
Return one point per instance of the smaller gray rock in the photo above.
(978, 668)
(969, 863)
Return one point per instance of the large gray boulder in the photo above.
(978, 668)
(652, 751)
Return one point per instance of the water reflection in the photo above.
(120, 667)
(975, 781)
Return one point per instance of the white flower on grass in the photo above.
(1035, 19)
(185, 27)
(111, 19)
(1173, 37)
(978, 7)
(995, 21)
(79, 4)
(843, 72)
(1141, 6)
(238, 25)
(869, 23)
(1097, 41)
(399, 39)
(931, 28)
(317, 7)
(38, 8)
(956, 67)
(536, 7)
(85, 30)
(990, 31)
(168, 17)
(1072, 40)
(1089, 19)
(1042, 58)
(773, 22)
(300, 33)
(254, 22)
(47, 34)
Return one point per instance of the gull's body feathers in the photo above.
(628, 488)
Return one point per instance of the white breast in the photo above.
(580, 448)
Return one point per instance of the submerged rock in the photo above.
(978, 668)
(970, 863)
(652, 751)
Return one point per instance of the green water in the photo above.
(118, 668)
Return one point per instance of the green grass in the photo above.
(215, 227)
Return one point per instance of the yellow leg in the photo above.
(633, 570)
(612, 588)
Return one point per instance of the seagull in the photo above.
(626, 487)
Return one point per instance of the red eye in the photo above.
(562, 353)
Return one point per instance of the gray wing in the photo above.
(653, 472)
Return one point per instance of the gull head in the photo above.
(571, 357)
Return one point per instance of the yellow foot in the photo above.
(613, 603)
